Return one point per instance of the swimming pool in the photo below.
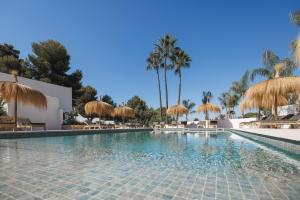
(146, 165)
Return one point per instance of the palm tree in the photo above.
(153, 63)
(295, 44)
(223, 101)
(269, 60)
(268, 71)
(240, 87)
(189, 105)
(206, 97)
(295, 17)
(180, 60)
(228, 101)
(165, 47)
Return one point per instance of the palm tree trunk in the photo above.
(159, 91)
(179, 91)
(166, 84)
(258, 114)
(226, 110)
(206, 115)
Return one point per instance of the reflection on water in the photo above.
(193, 151)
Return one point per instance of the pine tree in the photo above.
(51, 63)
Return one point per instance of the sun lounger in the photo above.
(89, 125)
(130, 125)
(279, 124)
(162, 124)
(288, 121)
(157, 125)
(213, 124)
(201, 124)
(7, 123)
(6, 120)
(122, 126)
(27, 124)
(173, 124)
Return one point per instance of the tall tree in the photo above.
(267, 70)
(295, 44)
(9, 60)
(190, 106)
(295, 17)
(8, 50)
(51, 62)
(153, 63)
(240, 87)
(141, 110)
(166, 47)
(108, 99)
(206, 97)
(180, 60)
(228, 101)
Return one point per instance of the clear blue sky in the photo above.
(110, 40)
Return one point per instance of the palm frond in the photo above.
(261, 72)
(295, 17)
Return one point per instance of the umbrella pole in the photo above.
(16, 99)
(99, 121)
(275, 108)
(16, 109)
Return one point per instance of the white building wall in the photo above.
(63, 94)
(59, 100)
(233, 123)
(51, 117)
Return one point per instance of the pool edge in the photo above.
(283, 144)
(57, 133)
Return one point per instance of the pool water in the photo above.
(146, 165)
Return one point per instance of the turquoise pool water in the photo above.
(145, 165)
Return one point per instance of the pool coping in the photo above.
(269, 136)
(282, 144)
(57, 133)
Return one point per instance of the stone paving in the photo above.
(33, 173)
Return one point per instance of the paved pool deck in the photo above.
(288, 134)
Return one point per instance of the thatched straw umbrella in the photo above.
(124, 112)
(270, 92)
(266, 102)
(17, 92)
(99, 108)
(177, 110)
(206, 108)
